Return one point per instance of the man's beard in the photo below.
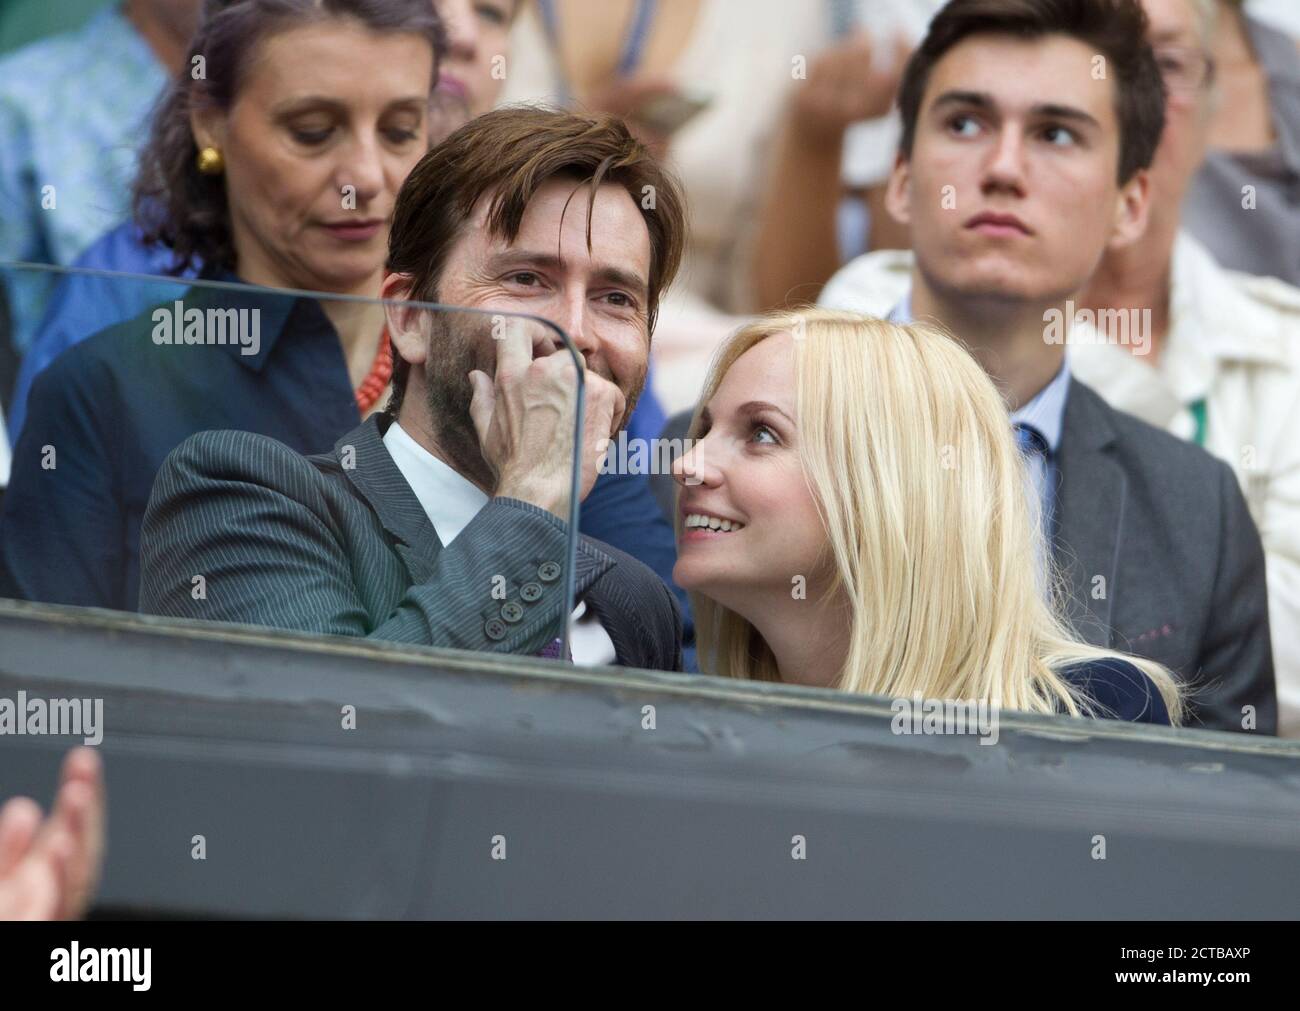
(457, 345)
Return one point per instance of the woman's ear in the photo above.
(208, 127)
(407, 324)
(1132, 211)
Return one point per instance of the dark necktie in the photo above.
(1030, 439)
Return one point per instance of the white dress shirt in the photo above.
(451, 501)
(5, 457)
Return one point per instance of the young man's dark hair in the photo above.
(510, 153)
(1115, 28)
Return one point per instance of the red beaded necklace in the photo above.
(376, 381)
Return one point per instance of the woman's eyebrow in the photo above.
(751, 406)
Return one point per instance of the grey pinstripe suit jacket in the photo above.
(338, 544)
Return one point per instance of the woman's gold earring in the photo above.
(210, 162)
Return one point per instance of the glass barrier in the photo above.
(222, 452)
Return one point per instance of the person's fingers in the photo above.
(854, 64)
(30, 891)
(482, 403)
(83, 763)
(57, 849)
(624, 95)
(648, 86)
(80, 818)
(20, 821)
(514, 349)
(50, 868)
(84, 767)
(606, 404)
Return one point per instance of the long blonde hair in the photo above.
(932, 526)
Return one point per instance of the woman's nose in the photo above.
(362, 169)
(461, 28)
(692, 467)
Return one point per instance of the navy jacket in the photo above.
(1119, 691)
(104, 415)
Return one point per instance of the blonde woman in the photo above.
(853, 512)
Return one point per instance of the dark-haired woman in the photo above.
(281, 107)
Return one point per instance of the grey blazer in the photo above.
(1160, 558)
(338, 544)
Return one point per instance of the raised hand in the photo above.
(49, 868)
(524, 420)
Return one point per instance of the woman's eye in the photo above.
(760, 430)
(621, 299)
(401, 136)
(311, 136)
(492, 14)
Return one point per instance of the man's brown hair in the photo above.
(509, 154)
(1116, 29)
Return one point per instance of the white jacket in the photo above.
(1233, 340)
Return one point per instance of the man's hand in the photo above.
(845, 84)
(524, 419)
(49, 869)
(624, 96)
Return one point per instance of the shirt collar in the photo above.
(1045, 412)
(902, 312)
(449, 500)
(1210, 316)
(275, 310)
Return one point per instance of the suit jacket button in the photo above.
(511, 611)
(531, 592)
(495, 629)
(549, 572)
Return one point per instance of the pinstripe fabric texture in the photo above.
(241, 528)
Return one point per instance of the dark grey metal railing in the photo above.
(475, 786)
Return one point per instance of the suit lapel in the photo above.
(602, 588)
(369, 466)
(1090, 513)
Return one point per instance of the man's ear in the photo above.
(406, 322)
(1132, 210)
(898, 191)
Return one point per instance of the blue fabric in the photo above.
(73, 109)
(1120, 690)
(82, 304)
(116, 404)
